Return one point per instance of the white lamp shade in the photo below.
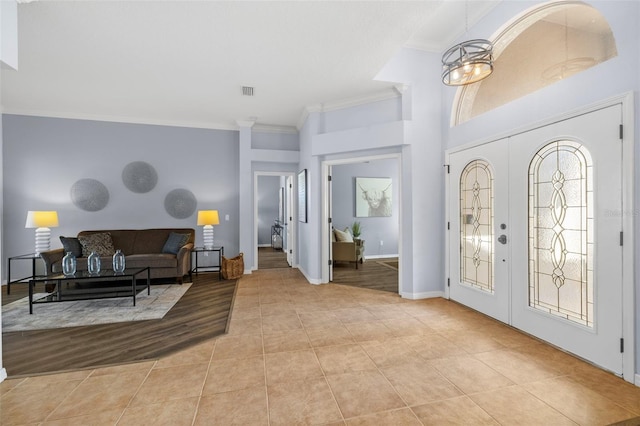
(42, 219)
(208, 217)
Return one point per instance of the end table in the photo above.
(209, 268)
(29, 256)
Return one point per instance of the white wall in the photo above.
(410, 126)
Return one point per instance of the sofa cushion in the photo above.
(158, 260)
(174, 242)
(71, 244)
(101, 243)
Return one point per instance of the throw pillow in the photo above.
(175, 242)
(72, 245)
(343, 236)
(100, 242)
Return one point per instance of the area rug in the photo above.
(15, 315)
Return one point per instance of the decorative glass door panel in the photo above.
(476, 225)
(561, 232)
(479, 268)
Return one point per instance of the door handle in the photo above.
(502, 239)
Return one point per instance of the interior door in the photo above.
(558, 275)
(566, 251)
(478, 179)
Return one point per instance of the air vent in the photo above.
(247, 91)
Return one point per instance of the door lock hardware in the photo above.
(502, 239)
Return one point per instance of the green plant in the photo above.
(356, 229)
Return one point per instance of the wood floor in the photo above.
(374, 274)
(269, 258)
(201, 314)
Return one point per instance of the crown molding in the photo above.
(381, 95)
(119, 119)
(268, 128)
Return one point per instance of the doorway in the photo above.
(533, 241)
(372, 259)
(273, 222)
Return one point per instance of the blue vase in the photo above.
(93, 263)
(69, 264)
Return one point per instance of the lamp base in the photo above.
(207, 234)
(43, 236)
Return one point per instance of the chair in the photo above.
(348, 251)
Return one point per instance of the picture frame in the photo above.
(302, 196)
(373, 197)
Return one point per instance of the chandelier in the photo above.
(467, 62)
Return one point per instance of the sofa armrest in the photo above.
(50, 258)
(184, 259)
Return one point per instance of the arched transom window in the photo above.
(547, 44)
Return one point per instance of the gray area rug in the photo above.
(15, 315)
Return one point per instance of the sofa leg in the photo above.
(179, 280)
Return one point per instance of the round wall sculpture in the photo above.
(139, 177)
(180, 203)
(90, 195)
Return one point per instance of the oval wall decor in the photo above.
(90, 195)
(139, 177)
(180, 203)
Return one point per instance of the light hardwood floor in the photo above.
(332, 354)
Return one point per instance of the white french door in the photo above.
(558, 269)
(479, 207)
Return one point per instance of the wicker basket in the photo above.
(233, 268)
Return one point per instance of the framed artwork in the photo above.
(302, 196)
(373, 197)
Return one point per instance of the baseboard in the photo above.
(311, 280)
(424, 295)
(3, 375)
(264, 245)
(637, 380)
(380, 256)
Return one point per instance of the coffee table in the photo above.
(86, 278)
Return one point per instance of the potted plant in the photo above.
(356, 230)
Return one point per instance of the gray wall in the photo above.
(374, 229)
(44, 157)
(268, 200)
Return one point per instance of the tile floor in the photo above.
(336, 355)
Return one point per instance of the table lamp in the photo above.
(208, 218)
(42, 221)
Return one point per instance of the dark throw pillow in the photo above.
(71, 244)
(100, 242)
(175, 242)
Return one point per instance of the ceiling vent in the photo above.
(247, 91)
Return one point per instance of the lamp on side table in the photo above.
(208, 218)
(42, 221)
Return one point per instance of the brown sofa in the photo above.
(141, 247)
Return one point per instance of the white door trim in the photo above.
(628, 214)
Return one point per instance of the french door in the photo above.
(551, 240)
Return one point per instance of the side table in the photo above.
(209, 268)
(30, 256)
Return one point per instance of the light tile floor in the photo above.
(303, 354)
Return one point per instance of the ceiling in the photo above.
(185, 62)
